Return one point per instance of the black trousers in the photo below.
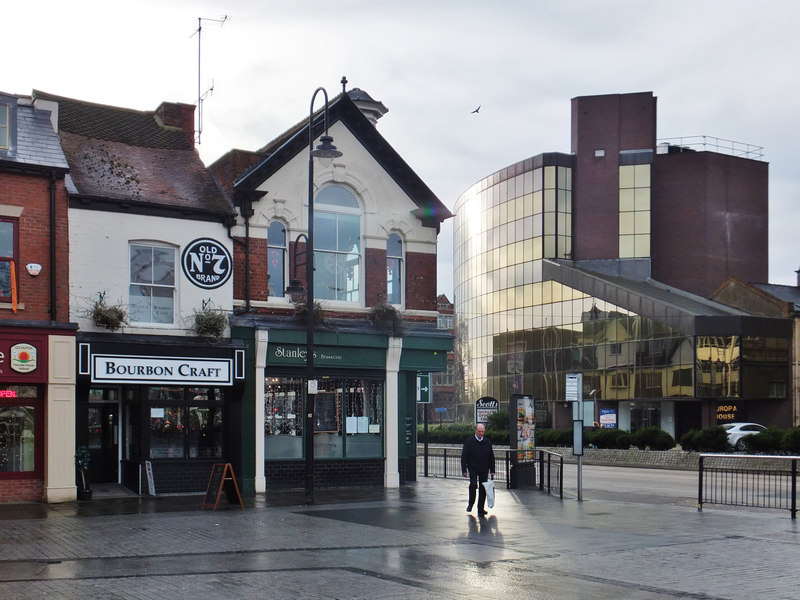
(475, 481)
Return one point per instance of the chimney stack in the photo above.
(176, 114)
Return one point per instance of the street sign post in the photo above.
(424, 388)
(574, 395)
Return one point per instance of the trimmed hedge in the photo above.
(456, 433)
(712, 439)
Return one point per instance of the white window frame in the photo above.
(322, 207)
(401, 264)
(174, 287)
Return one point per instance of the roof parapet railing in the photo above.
(698, 143)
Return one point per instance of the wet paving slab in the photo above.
(415, 542)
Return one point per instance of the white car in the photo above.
(737, 431)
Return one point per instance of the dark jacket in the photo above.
(477, 456)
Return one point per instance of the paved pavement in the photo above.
(414, 542)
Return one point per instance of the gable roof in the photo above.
(786, 293)
(430, 210)
(125, 159)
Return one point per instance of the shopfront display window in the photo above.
(19, 410)
(185, 422)
(348, 418)
(283, 423)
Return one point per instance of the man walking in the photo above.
(477, 462)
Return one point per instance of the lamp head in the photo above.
(326, 151)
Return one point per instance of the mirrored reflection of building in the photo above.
(602, 262)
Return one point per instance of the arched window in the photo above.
(276, 259)
(394, 269)
(337, 245)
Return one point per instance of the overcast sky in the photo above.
(726, 69)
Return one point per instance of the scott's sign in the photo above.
(206, 263)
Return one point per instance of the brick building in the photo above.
(148, 252)
(37, 339)
(375, 228)
(601, 263)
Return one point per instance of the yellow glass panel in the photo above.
(520, 207)
(537, 203)
(642, 246)
(528, 250)
(503, 261)
(642, 222)
(527, 201)
(549, 178)
(642, 175)
(558, 292)
(626, 200)
(519, 252)
(626, 176)
(550, 246)
(626, 246)
(642, 198)
(549, 223)
(528, 294)
(626, 223)
(538, 293)
(549, 201)
(537, 248)
(547, 292)
(564, 247)
(537, 179)
(562, 201)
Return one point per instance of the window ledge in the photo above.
(8, 306)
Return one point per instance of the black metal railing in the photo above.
(551, 472)
(745, 480)
(445, 461)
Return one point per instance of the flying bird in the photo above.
(477, 110)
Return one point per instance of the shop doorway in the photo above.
(103, 435)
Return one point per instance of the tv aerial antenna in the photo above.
(201, 96)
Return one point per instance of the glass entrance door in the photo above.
(104, 433)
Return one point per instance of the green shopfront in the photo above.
(364, 426)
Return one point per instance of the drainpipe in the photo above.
(52, 190)
(245, 204)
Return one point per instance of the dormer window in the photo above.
(4, 127)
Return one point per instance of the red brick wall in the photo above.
(420, 274)
(21, 490)
(420, 281)
(375, 275)
(258, 269)
(32, 193)
(709, 220)
(611, 123)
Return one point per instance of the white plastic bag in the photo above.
(489, 485)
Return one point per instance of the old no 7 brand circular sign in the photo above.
(206, 263)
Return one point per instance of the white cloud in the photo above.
(722, 69)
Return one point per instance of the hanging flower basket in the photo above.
(209, 322)
(383, 314)
(112, 317)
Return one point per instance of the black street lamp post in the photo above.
(325, 150)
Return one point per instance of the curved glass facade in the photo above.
(520, 333)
